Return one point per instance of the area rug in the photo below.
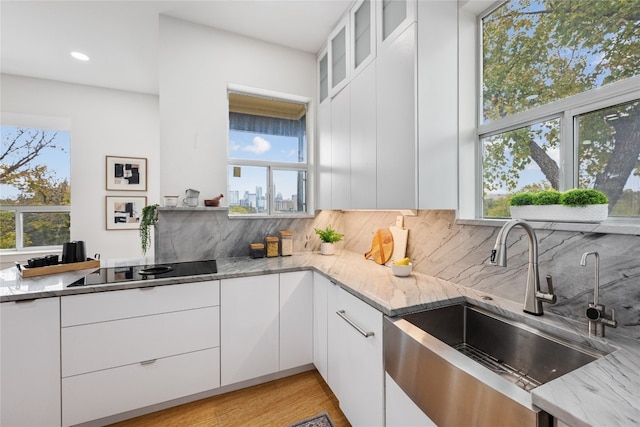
(321, 420)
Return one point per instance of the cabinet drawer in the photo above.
(87, 348)
(113, 391)
(113, 305)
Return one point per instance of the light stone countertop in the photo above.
(605, 392)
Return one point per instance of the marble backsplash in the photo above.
(439, 247)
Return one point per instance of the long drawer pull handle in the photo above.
(364, 333)
(148, 362)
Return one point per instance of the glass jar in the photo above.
(256, 250)
(286, 242)
(271, 243)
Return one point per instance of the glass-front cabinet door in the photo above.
(394, 17)
(339, 53)
(323, 75)
(363, 35)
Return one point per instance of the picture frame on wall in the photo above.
(126, 173)
(124, 212)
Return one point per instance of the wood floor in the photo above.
(277, 403)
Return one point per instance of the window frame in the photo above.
(306, 166)
(19, 212)
(566, 109)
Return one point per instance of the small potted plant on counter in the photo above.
(577, 205)
(148, 219)
(329, 236)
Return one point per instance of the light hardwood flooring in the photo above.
(277, 403)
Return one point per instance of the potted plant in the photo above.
(148, 219)
(577, 205)
(329, 236)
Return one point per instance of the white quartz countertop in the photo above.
(603, 393)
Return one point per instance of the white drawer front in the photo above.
(113, 391)
(96, 346)
(113, 305)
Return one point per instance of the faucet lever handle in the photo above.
(493, 255)
(548, 297)
(549, 283)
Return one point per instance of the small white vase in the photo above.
(327, 248)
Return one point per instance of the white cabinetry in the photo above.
(360, 359)
(266, 325)
(363, 34)
(122, 348)
(400, 410)
(341, 150)
(339, 56)
(325, 325)
(249, 327)
(363, 139)
(438, 105)
(30, 363)
(324, 174)
(394, 16)
(296, 319)
(397, 134)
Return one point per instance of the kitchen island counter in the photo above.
(605, 392)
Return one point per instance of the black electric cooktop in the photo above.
(147, 272)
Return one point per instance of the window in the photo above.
(35, 188)
(268, 163)
(560, 99)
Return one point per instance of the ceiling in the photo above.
(121, 37)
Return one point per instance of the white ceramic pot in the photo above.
(561, 213)
(327, 248)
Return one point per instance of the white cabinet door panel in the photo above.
(296, 319)
(400, 409)
(30, 363)
(361, 371)
(341, 150)
(363, 139)
(397, 142)
(249, 327)
(320, 330)
(104, 306)
(96, 346)
(323, 168)
(103, 393)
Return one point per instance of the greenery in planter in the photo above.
(329, 235)
(583, 197)
(149, 218)
(575, 197)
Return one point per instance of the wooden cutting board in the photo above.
(381, 246)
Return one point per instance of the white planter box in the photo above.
(561, 213)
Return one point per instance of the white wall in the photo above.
(103, 122)
(196, 65)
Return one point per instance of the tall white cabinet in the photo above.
(401, 150)
(30, 363)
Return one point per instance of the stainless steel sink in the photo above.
(463, 365)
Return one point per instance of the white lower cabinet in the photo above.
(112, 391)
(400, 410)
(30, 363)
(325, 323)
(124, 350)
(296, 319)
(360, 361)
(249, 328)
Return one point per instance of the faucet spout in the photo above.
(533, 297)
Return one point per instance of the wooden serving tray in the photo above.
(58, 268)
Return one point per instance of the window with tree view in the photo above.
(35, 188)
(560, 105)
(267, 172)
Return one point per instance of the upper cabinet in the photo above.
(323, 75)
(387, 138)
(339, 54)
(363, 35)
(394, 16)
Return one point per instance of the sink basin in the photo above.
(463, 353)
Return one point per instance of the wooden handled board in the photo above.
(381, 246)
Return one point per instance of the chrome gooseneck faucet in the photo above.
(595, 311)
(533, 297)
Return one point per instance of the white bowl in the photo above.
(401, 270)
(171, 201)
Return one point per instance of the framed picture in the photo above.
(126, 173)
(123, 213)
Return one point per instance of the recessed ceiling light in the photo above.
(80, 56)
